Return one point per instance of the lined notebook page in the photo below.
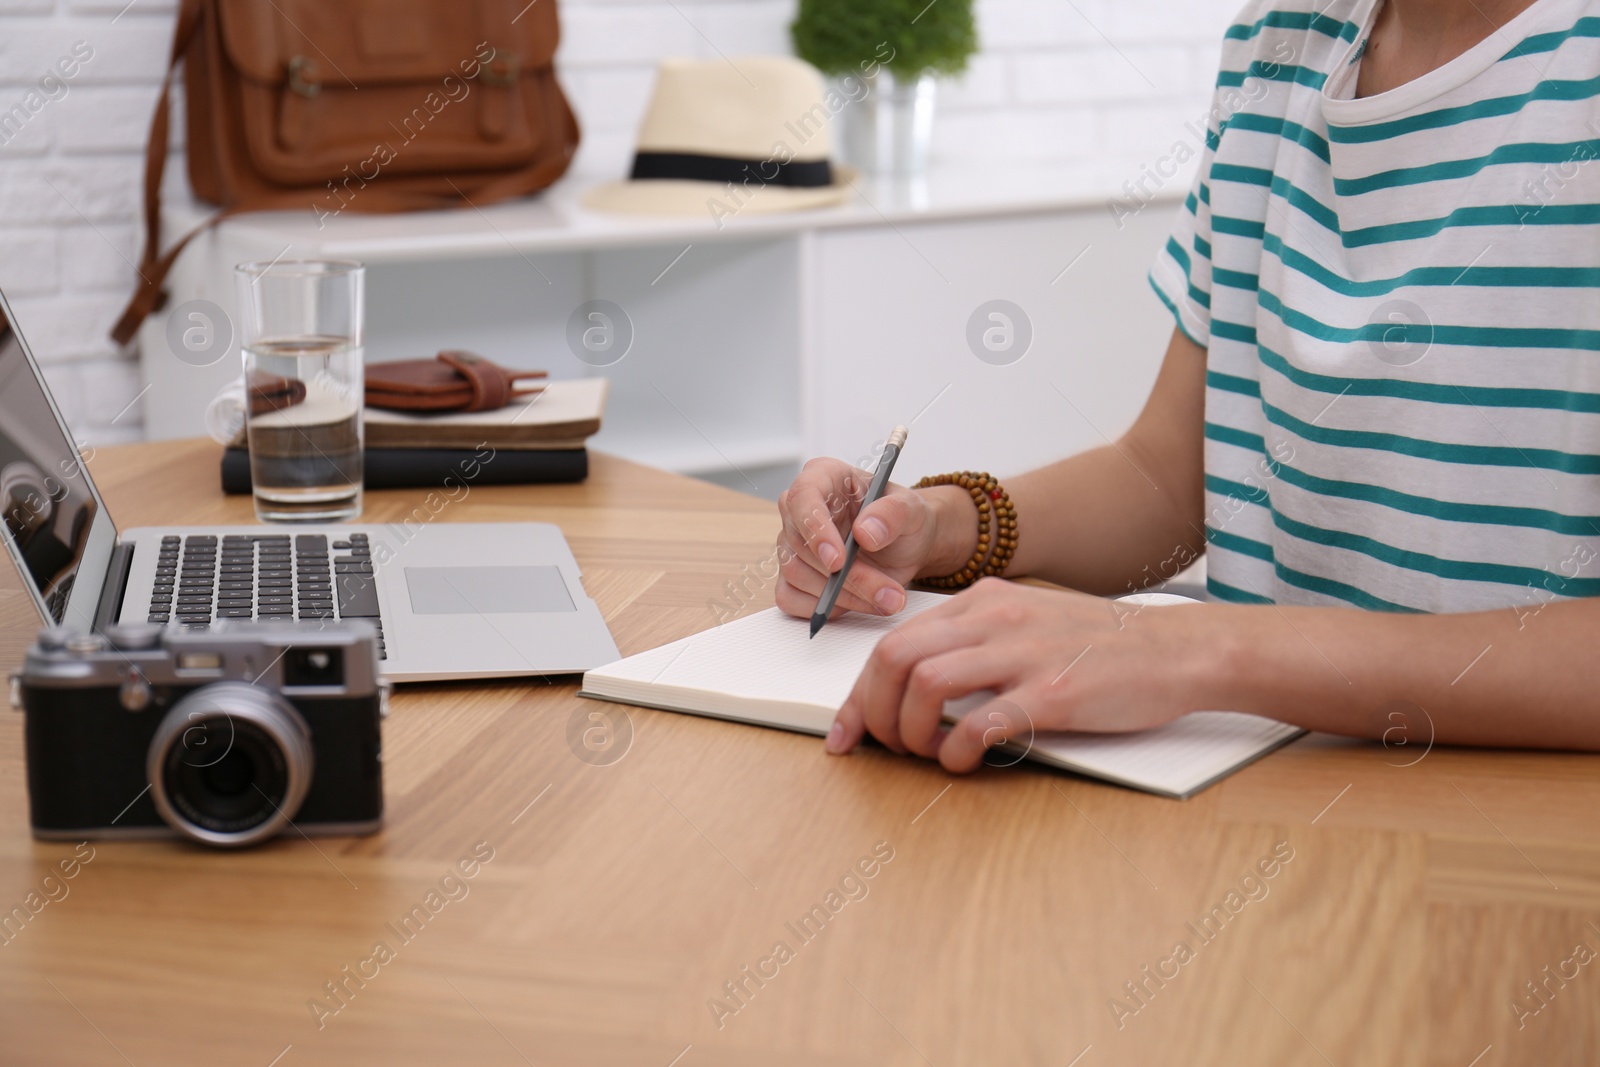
(766, 657)
(764, 669)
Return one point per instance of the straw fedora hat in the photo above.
(724, 137)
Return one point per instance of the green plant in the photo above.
(910, 37)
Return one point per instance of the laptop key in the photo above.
(358, 598)
(234, 613)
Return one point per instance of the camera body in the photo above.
(226, 735)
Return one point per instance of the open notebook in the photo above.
(762, 669)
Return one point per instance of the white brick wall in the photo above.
(1106, 83)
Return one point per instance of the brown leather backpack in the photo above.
(330, 106)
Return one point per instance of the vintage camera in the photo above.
(226, 735)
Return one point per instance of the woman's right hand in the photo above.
(904, 534)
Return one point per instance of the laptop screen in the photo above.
(55, 528)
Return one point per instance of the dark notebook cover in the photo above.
(427, 468)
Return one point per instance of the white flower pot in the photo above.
(888, 131)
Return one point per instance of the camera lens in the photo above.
(230, 764)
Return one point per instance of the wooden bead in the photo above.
(997, 527)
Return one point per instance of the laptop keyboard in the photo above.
(266, 577)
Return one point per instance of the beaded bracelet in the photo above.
(992, 556)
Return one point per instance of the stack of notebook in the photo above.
(538, 438)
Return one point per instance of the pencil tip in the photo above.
(816, 624)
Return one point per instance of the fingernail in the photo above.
(835, 741)
(874, 531)
(828, 554)
(889, 600)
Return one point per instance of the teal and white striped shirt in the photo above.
(1400, 301)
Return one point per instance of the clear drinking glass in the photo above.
(301, 332)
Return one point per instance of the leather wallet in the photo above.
(452, 381)
(268, 392)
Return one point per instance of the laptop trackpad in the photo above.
(486, 590)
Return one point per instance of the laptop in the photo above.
(450, 599)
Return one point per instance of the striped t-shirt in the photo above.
(1400, 301)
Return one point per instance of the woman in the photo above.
(1379, 415)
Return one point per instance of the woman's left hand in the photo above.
(1054, 660)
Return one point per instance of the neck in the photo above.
(1482, 17)
(1412, 37)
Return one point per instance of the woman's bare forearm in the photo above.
(1523, 676)
(1115, 518)
(1103, 522)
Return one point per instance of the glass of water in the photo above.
(301, 332)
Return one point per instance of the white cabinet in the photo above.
(753, 345)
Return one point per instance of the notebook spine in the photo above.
(422, 468)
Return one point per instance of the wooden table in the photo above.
(1425, 887)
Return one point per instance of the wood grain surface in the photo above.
(1414, 892)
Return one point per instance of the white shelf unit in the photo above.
(760, 342)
